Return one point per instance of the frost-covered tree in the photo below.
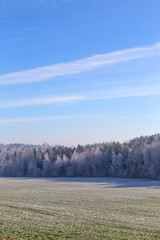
(137, 158)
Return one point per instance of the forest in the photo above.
(137, 158)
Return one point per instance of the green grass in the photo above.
(79, 208)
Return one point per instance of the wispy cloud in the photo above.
(85, 116)
(49, 118)
(40, 101)
(79, 66)
(115, 93)
(125, 92)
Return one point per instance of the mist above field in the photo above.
(138, 158)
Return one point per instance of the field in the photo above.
(79, 208)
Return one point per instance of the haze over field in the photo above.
(79, 72)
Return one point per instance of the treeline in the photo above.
(138, 158)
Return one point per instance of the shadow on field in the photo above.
(131, 183)
(113, 182)
(107, 182)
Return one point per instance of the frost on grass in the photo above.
(79, 208)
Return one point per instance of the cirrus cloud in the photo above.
(78, 66)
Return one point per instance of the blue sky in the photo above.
(79, 71)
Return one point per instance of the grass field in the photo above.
(74, 208)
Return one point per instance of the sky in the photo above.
(79, 71)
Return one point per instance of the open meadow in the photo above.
(79, 208)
